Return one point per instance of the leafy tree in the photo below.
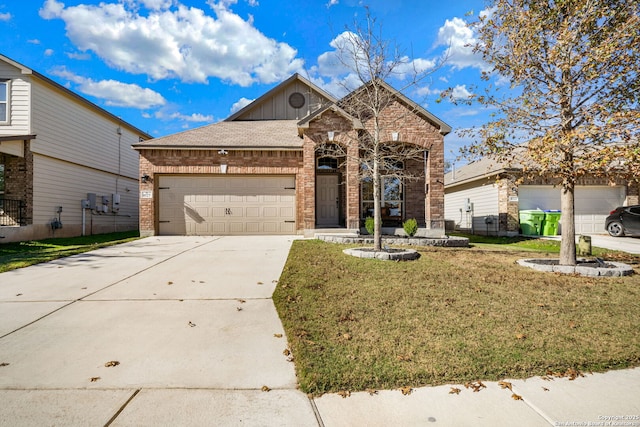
(370, 61)
(573, 108)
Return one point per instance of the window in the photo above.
(327, 163)
(4, 101)
(391, 198)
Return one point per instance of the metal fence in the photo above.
(11, 212)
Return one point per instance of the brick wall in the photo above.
(18, 180)
(155, 163)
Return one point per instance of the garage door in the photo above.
(226, 205)
(592, 203)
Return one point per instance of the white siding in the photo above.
(59, 183)
(484, 200)
(18, 100)
(68, 130)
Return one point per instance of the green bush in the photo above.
(369, 225)
(410, 227)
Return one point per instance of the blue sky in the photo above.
(170, 65)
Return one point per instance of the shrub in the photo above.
(410, 227)
(369, 225)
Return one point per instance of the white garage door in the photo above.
(592, 203)
(226, 205)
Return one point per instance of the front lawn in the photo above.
(23, 254)
(452, 316)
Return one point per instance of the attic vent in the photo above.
(296, 100)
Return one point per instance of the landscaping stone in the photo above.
(448, 241)
(385, 254)
(583, 268)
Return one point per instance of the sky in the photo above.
(166, 66)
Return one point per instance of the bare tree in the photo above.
(573, 108)
(370, 60)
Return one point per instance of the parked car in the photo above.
(624, 220)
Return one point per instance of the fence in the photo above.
(11, 212)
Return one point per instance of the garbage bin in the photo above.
(551, 223)
(531, 222)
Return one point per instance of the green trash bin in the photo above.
(551, 223)
(531, 222)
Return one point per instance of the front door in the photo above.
(327, 200)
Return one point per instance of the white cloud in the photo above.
(460, 92)
(48, 52)
(176, 41)
(33, 41)
(79, 56)
(114, 93)
(459, 39)
(5, 17)
(194, 118)
(332, 3)
(240, 104)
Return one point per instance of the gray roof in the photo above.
(483, 168)
(240, 135)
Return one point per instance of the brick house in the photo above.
(259, 171)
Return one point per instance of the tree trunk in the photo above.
(568, 240)
(377, 214)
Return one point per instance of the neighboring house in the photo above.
(258, 172)
(483, 197)
(57, 148)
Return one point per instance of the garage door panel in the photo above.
(592, 204)
(219, 205)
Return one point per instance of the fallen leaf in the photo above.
(286, 352)
(404, 358)
(545, 389)
(516, 397)
(94, 379)
(344, 393)
(277, 335)
(239, 308)
(346, 337)
(274, 281)
(572, 325)
(265, 388)
(4, 364)
(241, 301)
(371, 391)
(18, 295)
(504, 384)
(454, 390)
(260, 283)
(476, 386)
(406, 390)
(169, 283)
(521, 336)
(191, 324)
(111, 364)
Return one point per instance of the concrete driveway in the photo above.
(188, 323)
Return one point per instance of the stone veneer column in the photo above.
(434, 201)
(309, 184)
(508, 207)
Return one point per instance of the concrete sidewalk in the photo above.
(192, 327)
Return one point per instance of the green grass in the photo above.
(452, 316)
(23, 254)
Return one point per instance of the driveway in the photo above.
(186, 322)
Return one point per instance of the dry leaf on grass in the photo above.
(454, 390)
(371, 391)
(344, 393)
(521, 336)
(111, 363)
(277, 335)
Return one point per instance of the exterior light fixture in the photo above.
(223, 152)
(145, 178)
(395, 136)
(330, 135)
